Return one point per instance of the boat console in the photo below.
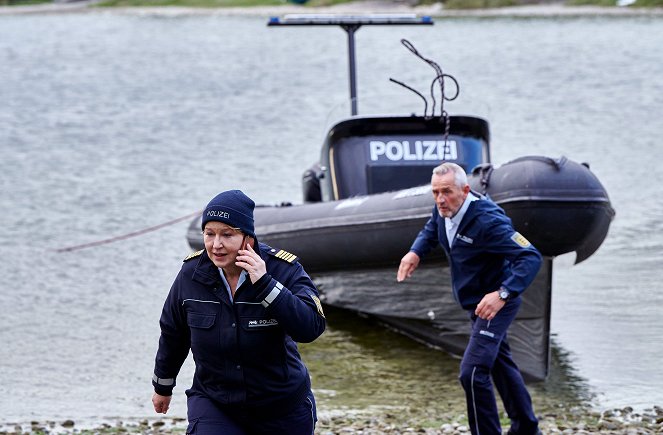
(368, 155)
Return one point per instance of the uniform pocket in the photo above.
(201, 320)
(262, 337)
(191, 428)
(201, 326)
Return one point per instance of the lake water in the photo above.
(113, 122)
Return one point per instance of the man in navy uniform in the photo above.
(240, 306)
(491, 265)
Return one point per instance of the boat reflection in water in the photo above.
(369, 196)
(359, 365)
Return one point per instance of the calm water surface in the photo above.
(113, 122)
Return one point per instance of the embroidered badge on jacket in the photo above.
(520, 240)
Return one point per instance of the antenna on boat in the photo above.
(349, 23)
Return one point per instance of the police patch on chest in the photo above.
(262, 323)
(520, 240)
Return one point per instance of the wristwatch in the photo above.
(504, 294)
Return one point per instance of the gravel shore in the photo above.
(579, 421)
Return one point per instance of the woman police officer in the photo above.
(240, 306)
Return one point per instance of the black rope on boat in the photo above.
(440, 75)
(129, 235)
(415, 91)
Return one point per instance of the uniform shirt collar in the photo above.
(242, 278)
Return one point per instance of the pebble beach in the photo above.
(579, 421)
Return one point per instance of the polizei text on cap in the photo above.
(218, 214)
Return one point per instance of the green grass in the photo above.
(190, 3)
(212, 3)
(479, 4)
(648, 3)
(638, 3)
(449, 4)
(591, 3)
(22, 2)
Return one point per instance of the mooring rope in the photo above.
(129, 235)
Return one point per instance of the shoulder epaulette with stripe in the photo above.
(283, 255)
(193, 255)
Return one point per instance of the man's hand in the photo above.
(408, 264)
(249, 260)
(161, 403)
(489, 306)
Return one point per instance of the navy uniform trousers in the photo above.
(488, 356)
(206, 418)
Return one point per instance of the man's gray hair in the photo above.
(460, 177)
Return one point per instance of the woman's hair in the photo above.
(460, 177)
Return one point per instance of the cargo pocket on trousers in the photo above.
(191, 428)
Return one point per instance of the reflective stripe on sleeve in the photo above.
(272, 295)
(166, 382)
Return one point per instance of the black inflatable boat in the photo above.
(369, 196)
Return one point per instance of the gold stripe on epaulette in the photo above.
(193, 255)
(286, 256)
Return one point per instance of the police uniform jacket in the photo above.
(487, 252)
(245, 352)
